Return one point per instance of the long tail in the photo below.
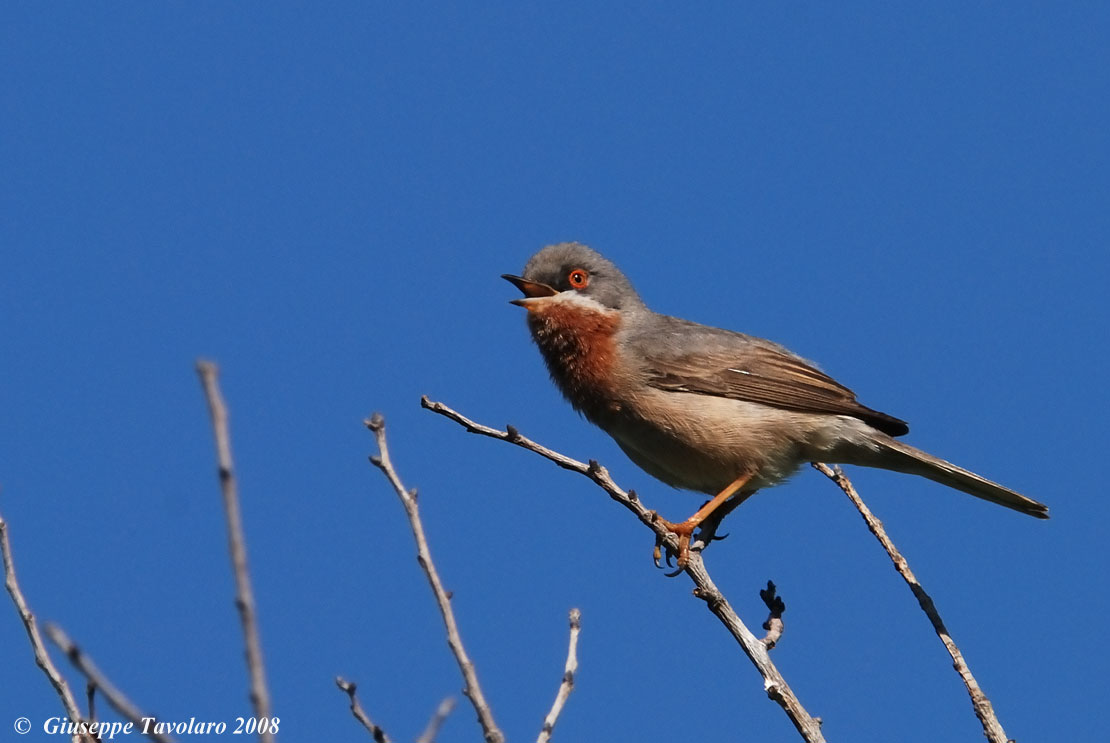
(905, 458)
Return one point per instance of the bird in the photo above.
(702, 408)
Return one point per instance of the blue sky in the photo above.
(321, 199)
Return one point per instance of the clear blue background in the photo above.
(321, 198)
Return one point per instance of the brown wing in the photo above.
(764, 373)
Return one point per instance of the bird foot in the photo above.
(684, 531)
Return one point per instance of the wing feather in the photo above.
(759, 371)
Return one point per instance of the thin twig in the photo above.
(567, 685)
(773, 682)
(376, 732)
(774, 624)
(992, 728)
(144, 724)
(30, 624)
(471, 688)
(432, 730)
(593, 470)
(90, 696)
(244, 597)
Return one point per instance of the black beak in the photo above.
(530, 289)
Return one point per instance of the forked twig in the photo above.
(144, 724)
(992, 728)
(30, 624)
(471, 688)
(773, 682)
(567, 685)
(237, 545)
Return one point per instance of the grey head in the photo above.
(574, 267)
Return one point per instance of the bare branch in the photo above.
(593, 470)
(472, 689)
(144, 724)
(992, 728)
(42, 657)
(773, 682)
(442, 711)
(567, 685)
(244, 598)
(774, 624)
(90, 696)
(376, 732)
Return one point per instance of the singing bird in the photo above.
(702, 408)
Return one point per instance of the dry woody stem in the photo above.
(42, 657)
(144, 723)
(774, 624)
(773, 682)
(567, 685)
(992, 728)
(472, 689)
(244, 596)
(375, 731)
(438, 718)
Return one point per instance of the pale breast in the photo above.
(703, 443)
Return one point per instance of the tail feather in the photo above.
(905, 458)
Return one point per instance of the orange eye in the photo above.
(578, 278)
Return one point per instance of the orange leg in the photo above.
(685, 529)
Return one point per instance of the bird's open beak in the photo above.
(530, 289)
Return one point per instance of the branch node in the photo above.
(711, 597)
